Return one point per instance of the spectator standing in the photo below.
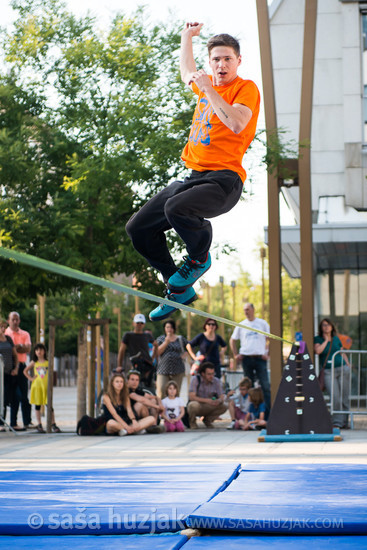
(39, 385)
(210, 345)
(136, 343)
(206, 397)
(22, 342)
(326, 344)
(170, 362)
(10, 359)
(254, 350)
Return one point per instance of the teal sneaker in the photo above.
(163, 310)
(188, 273)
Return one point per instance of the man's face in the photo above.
(133, 381)
(139, 327)
(14, 321)
(224, 63)
(249, 312)
(208, 375)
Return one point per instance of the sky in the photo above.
(242, 227)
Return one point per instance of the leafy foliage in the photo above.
(91, 124)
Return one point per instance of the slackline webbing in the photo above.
(46, 265)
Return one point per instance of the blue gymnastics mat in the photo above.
(317, 499)
(105, 502)
(263, 542)
(89, 542)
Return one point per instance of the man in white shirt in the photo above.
(254, 350)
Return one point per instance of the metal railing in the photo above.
(357, 360)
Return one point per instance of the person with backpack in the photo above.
(206, 397)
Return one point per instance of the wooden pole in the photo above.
(135, 285)
(42, 300)
(263, 256)
(82, 373)
(98, 352)
(37, 309)
(274, 242)
(117, 311)
(92, 381)
(221, 328)
(106, 355)
(189, 325)
(233, 285)
(304, 173)
(50, 382)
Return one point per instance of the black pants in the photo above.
(10, 384)
(183, 206)
(21, 397)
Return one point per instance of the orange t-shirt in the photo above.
(19, 337)
(213, 146)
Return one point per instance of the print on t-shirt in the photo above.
(171, 412)
(201, 126)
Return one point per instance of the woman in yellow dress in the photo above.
(39, 385)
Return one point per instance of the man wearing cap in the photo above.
(136, 343)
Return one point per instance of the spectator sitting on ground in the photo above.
(239, 403)
(120, 418)
(206, 396)
(255, 418)
(143, 403)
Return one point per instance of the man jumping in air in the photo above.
(222, 129)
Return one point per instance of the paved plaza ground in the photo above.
(30, 450)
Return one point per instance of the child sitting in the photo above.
(174, 409)
(239, 403)
(255, 418)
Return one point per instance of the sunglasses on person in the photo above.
(211, 325)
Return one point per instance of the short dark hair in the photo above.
(133, 371)
(204, 366)
(224, 40)
(208, 320)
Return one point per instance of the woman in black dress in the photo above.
(120, 418)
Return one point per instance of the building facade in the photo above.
(338, 152)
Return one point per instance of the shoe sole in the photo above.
(183, 288)
(173, 310)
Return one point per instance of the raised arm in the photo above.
(187, 61)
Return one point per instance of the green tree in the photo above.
(91, 124)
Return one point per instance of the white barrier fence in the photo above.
(356, 380)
